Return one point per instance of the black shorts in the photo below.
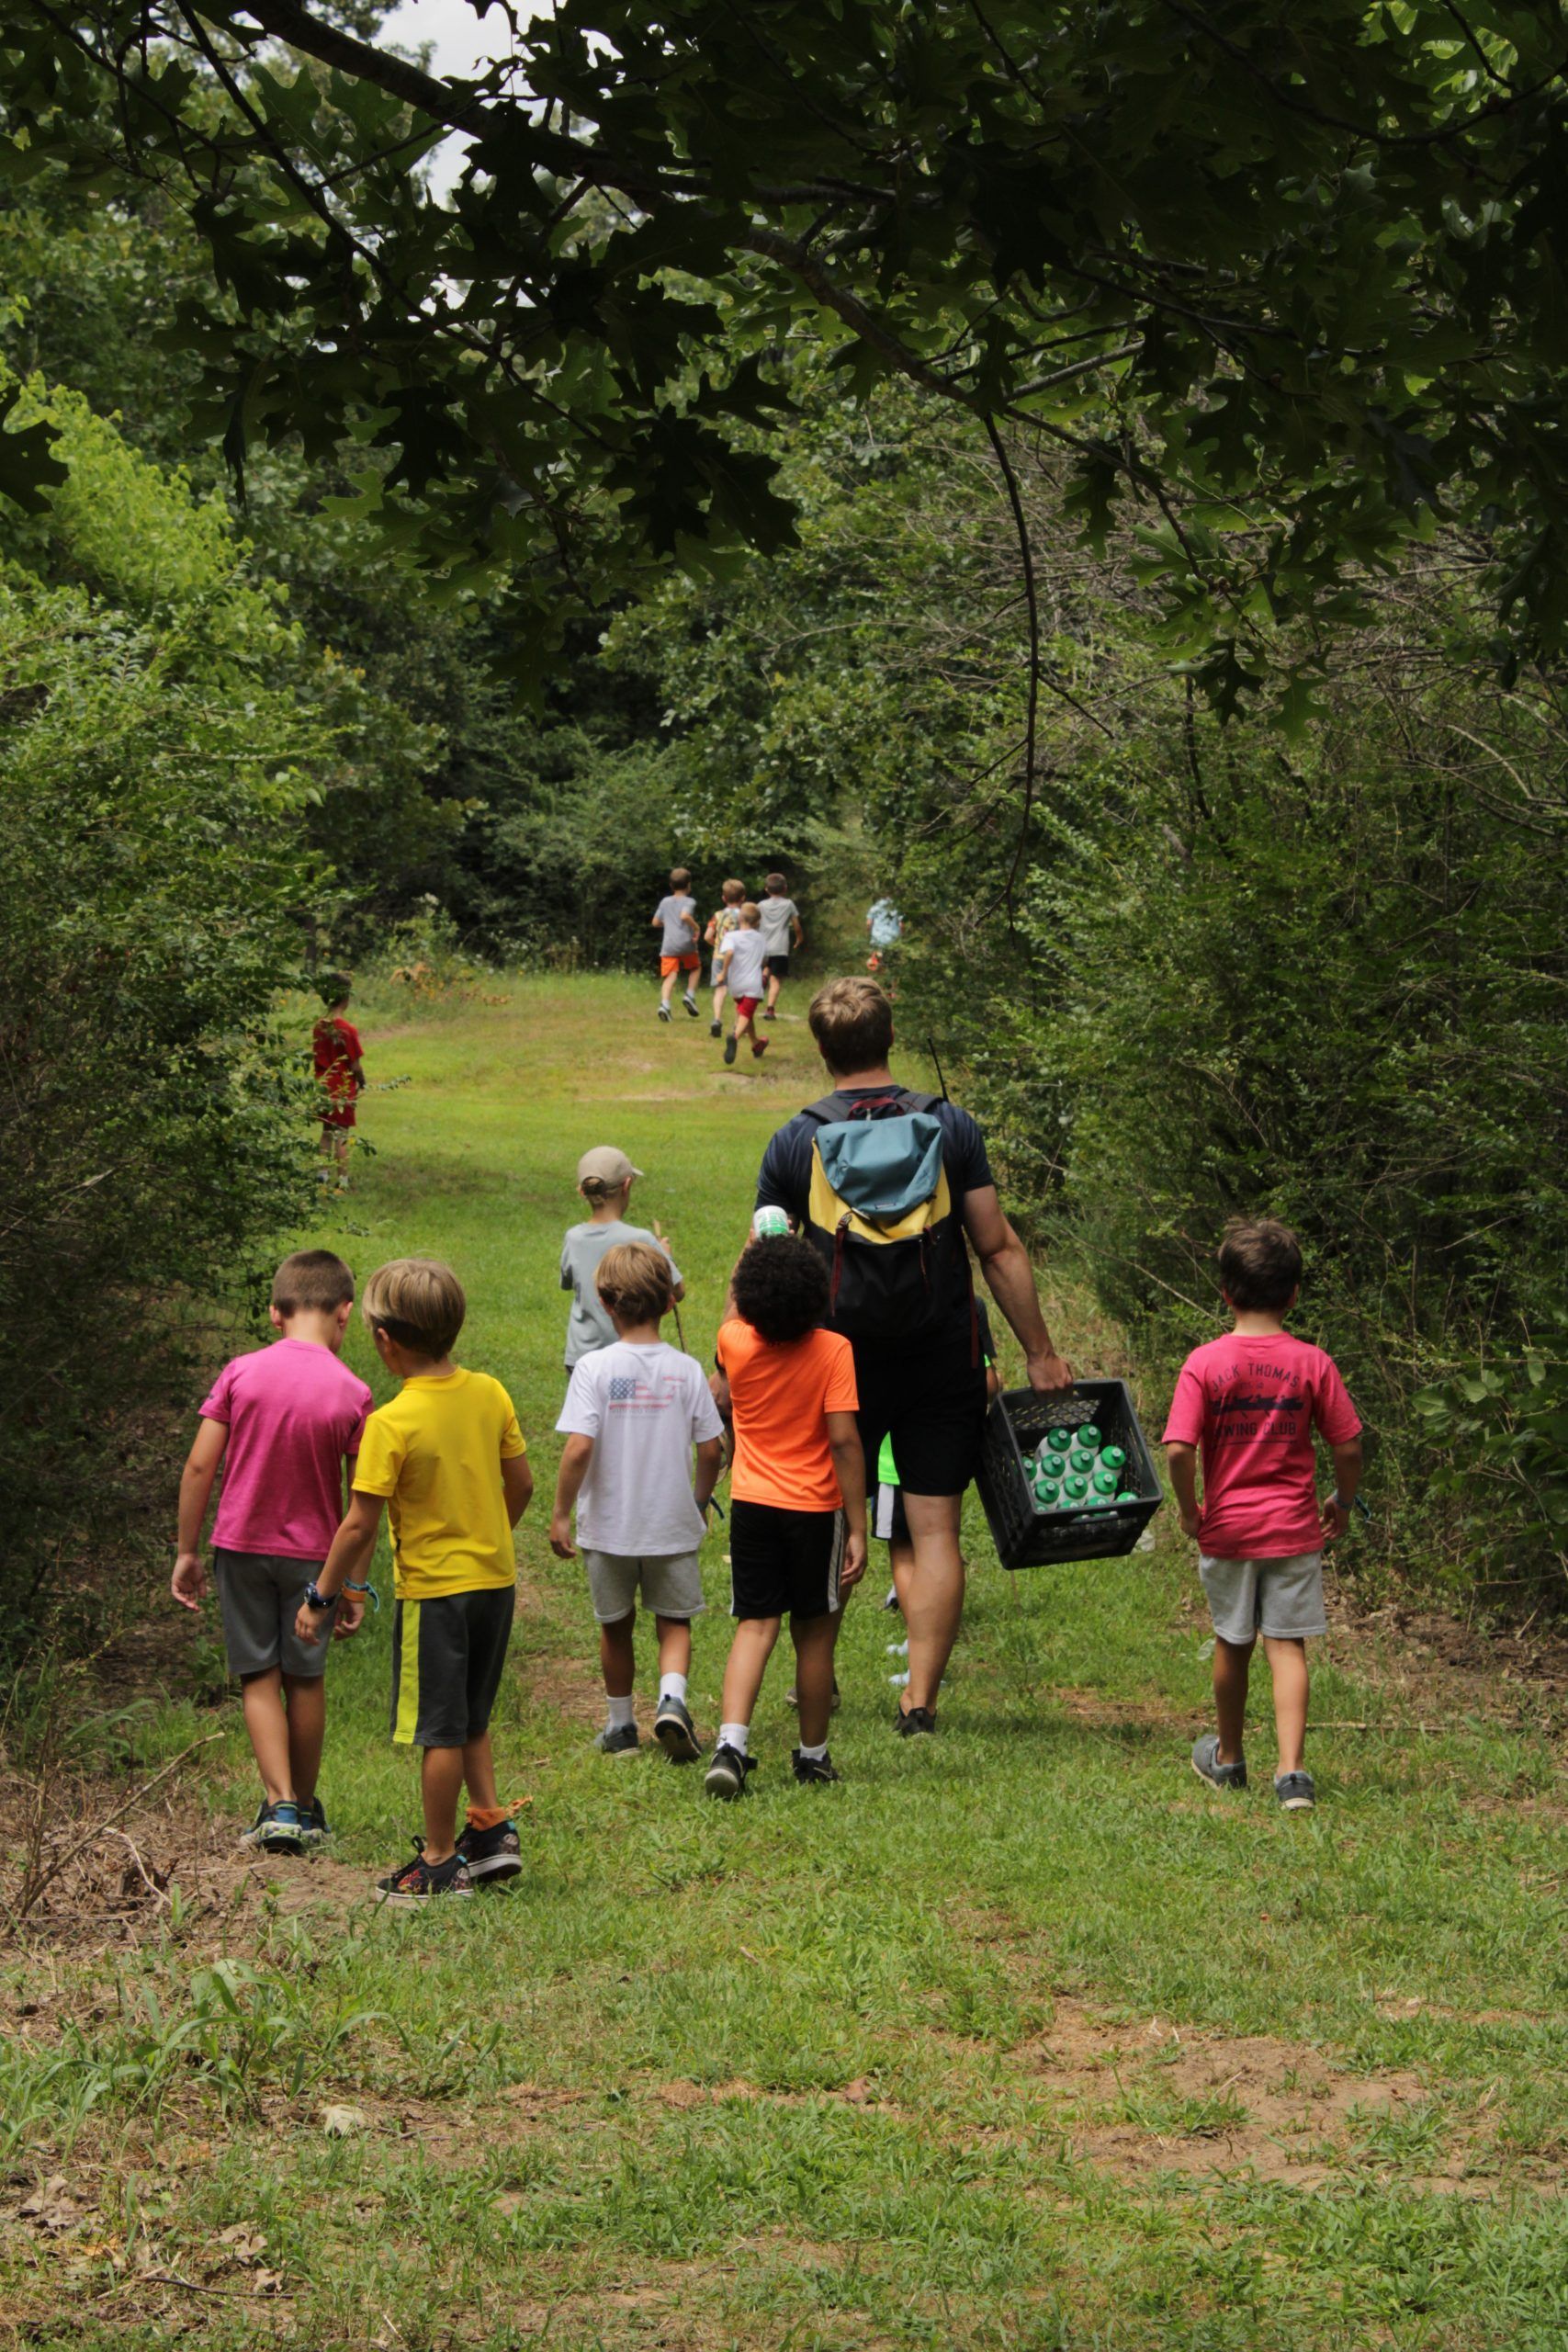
(784, 1562)
(447, 1655)
(777, 966)
(931, 1401)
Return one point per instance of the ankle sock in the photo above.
(734, 1736)
(622, 1710)
(813, 1755)
(673, 1686)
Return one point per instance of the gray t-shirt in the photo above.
(680, 938)
(777, 916)
(589, 1325)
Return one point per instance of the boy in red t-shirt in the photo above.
(339, 1074)
(797, 1497)
(1252, 1401)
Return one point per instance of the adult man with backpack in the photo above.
(893, 1188)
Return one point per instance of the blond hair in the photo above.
(852, 1020)
(419, 1303)
(750, 914)
(732, 893)
(634, 1280)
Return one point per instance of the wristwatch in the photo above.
(316, 1599)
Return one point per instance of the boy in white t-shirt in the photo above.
(632, 1413)
(742, 970)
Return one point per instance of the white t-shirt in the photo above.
(743, 974)
(645, 1406)
(777, 916)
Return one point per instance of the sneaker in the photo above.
(676, 1733)
(726, 1776)
(664, 1013)
(914, 1723)
(834, 1703)
(769, 1015)
(313, 1821)
(617, 1740)
(419, 1880)
(276, 1829)
(759, 1047)
(1295, 1791)
(891, 1600)
(813, 1771)
(495, 1853)
(690, 1001)
(716, 1028)
(730, 1052)
(1206, 1764)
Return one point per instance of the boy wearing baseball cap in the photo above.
(605, 1180)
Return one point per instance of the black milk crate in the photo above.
(1027, 1537)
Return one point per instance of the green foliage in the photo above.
(1501, 1424)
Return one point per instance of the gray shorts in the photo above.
(670, 1582)
(258, 1598)
(1280, 1599)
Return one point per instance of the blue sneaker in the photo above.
(1206, 1764)
(1295, 1791)
(313, 1823)
(276, 1829)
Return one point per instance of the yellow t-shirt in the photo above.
(435, 1453)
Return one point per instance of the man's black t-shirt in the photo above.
(783, 1182)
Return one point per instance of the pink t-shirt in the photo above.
(1252, 1404)
(293, 1413)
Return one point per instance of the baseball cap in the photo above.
(610, 1166)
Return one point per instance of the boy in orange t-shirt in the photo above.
(798, 1511)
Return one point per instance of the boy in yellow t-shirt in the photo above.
(448, 1456)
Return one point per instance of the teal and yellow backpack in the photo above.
(881, 1214)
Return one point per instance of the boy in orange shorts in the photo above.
(675, 920)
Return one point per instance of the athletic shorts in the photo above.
(343, 1116)
(777, 966)
(745, 1006)
(784, 1562)
(1280, 1599)
(446, 1659)
(668, 964)
(892, 1524)
(931, 1401)
(670, 1584)
(258, 1598)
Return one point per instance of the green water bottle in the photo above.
(1113, 1457)
(1105, 1483)
(1060, 1440)
(1103, 1501)
(1089, 1436)
(1048, 1495)
(1081, 1461)
(1073, 1488)
(1127, 1496)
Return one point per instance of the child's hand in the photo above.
(854, 1562)
(561, 1544)
(1335, 1519)
(308, 1625)
(348, 1616)
(189, 1583)
(1189, 1523)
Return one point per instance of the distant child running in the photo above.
(604, 1179)
(742, 971)
(781, 929)
(632, 1413)
(797, 1513)
(675, 920)
(339, 1074)
(448, 1456)
(724, 919)
(281, 1422)
(1251, 1402)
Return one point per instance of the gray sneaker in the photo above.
(1206, 1764)
(1295, 1791)
(676, 1733)
(617, 1740)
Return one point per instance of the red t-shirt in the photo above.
(1252, 1405)
(336, 1048)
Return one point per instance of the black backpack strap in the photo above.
(830, 1110)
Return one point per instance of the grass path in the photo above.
(1019, 2038)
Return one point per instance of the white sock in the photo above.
(671, 1686)
(734, 1736)
(813, 1755)
(622, 1710)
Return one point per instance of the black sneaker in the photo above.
(676, 1733)
(418, 1881)
(892, 1600)
(716, 1028)
(726, 1776)
(492, 1854)
(617, 1740)
(276, 1829)
(813, 1771)
(664, 1013)
(313, 1821)
(912, 1722)
(730, 1050)
(690, 1001)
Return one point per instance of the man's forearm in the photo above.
(1009, 1278)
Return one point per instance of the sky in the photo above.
(461, 42)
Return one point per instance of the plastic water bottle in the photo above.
(1089, 1437)
(1073, 1488)
(769, 1224)
(1060, 1440)
(1127, 1496)
(1047, 1494)
(1113, 1457)
(1105, 1483)
(1080, 1461)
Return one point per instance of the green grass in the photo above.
(1019, 2038)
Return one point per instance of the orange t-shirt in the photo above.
(782, 1398)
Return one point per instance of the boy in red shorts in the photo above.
(1252, 1401)
(742, 970)
(339, 1074)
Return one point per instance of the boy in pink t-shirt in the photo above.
(1252, 1401)
(282, 1421)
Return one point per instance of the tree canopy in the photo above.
(1285, 283)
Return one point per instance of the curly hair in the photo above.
(781, 1288)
